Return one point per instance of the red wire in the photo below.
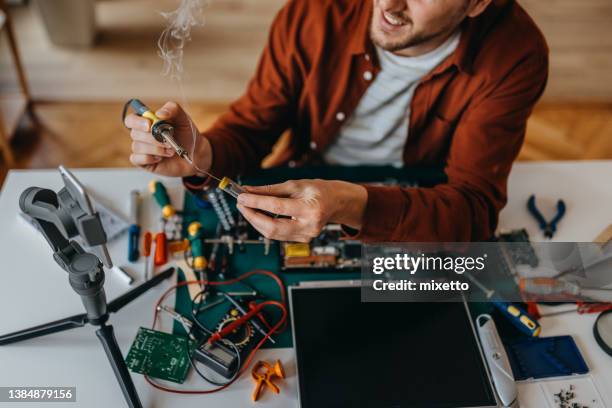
(277, 328)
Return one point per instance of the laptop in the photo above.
(384, 355)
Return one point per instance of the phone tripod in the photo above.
(53, 214)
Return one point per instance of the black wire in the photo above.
(194, 313)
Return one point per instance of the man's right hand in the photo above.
(160, 158)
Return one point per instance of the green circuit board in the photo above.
(160, 355)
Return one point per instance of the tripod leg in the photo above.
(107, 338)
(68, 323)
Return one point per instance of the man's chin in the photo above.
(389, 44)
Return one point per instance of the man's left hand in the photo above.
(310, 204)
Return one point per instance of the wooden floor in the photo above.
(220, 58)
(85, 87)
(91, 134)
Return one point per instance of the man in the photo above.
(402, 82)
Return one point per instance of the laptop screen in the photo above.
(385, 355)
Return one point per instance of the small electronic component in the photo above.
(215, 202)
(327, 251)
(234, 189)
(160, 355)
(231, 187)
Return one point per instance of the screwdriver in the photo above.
(147, 240)
(196, 238)
(160, 194)
(552, 286)
(134, 231)
(161, 249)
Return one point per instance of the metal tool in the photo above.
(147, 241)
(211, 305)
(185, 322)
(582, 308)
(548, 227)
(134, 230)
(161, 249)
(256, 324)
(196, 239)
(547, 287)
(160, 194)
(270, 372)
(161, 130)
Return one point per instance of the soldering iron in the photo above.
(163, 132)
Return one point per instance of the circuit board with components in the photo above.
(327, 251)
(160, 355)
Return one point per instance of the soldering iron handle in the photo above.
(139, 107)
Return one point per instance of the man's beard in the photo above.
(397, 45)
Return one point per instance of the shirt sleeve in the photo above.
(244, 135)
(486, 141)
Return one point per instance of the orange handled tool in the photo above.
(161, 249)
(147, 240)
(265, 377)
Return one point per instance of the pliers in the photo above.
(548, 227)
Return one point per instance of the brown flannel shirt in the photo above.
(467, 115)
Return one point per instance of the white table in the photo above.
(34, 290)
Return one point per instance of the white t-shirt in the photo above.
(376, 132)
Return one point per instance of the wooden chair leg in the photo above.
(5, 146)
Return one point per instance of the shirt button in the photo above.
(367, 57)
(368, 75)
(291, 163)
(313, 145)
(340, 116)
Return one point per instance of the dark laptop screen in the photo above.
(385, 355)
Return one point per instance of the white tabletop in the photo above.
(34, 290)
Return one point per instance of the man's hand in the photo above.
(160, 158)
(311, 204)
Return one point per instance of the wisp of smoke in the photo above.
(190, 13)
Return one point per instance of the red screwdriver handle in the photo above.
(147, 240)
